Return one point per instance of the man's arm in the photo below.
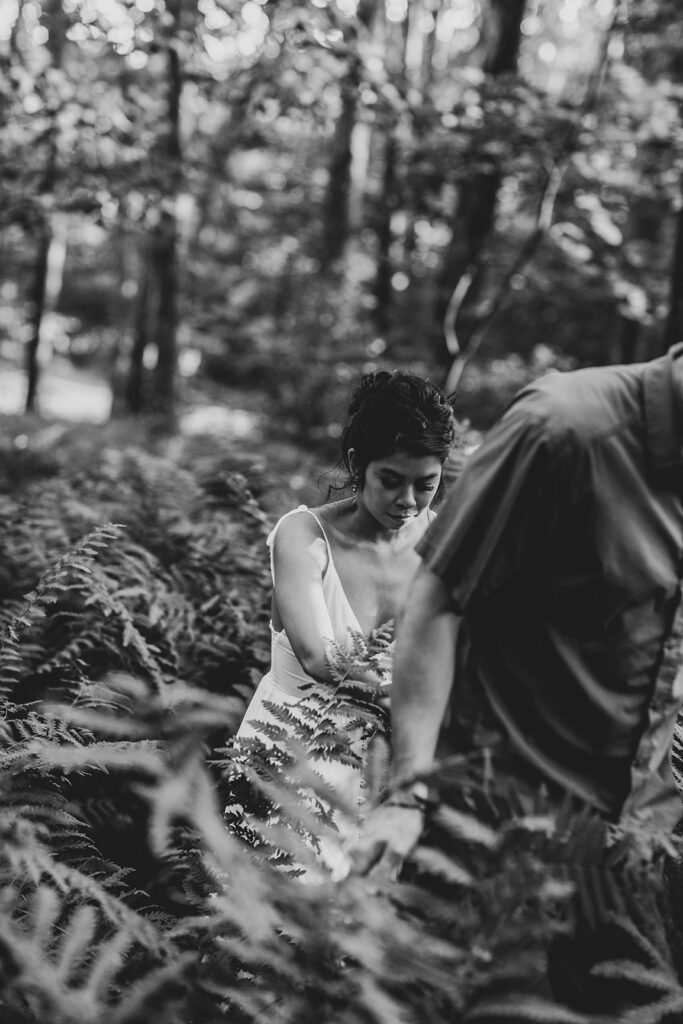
(423, 677)
(423, 674)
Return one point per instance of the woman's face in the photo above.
(397, 488)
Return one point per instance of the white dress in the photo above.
(287, 684)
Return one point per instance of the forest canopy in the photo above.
(242, 189)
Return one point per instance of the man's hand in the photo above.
(389, 835)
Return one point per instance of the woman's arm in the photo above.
(299, 562)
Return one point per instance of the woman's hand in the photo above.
(390, 833)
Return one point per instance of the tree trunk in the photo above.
(474, 214)
(428, 50)
(472, 225)
(157, 308)
(395, 60)
(56, 23)
(336, 210)
(384, 234)
(164, 244)
(135, 397)
(164, 268)
(503, 33)
(630, 336)
(673, 331)
(336, 214)
(37, 307)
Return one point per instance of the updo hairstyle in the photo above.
(391, 412)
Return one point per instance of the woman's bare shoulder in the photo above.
(297, 527)
(298, 537)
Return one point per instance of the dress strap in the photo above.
(322, 529)
(270, 539)
(271, 536)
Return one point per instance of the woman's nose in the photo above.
(406, 498)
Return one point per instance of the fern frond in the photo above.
(523, 1007)
(57, 965)
(661, 1011)
(635, 973)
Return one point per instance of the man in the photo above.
(558, 557)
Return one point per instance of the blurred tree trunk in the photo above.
(336, 210)
(629, 339)
(383, 291)
(419, 305)
(673, 331)
(37, 308)
(135, 397)
(157, 309)
(164, 243)
(163, 264)
(336, 206)
(503, 32)
(40, 300)
(428, 48)
(388, 203)
(474, 213)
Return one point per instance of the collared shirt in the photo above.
(562, 546)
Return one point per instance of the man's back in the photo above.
(561, 544)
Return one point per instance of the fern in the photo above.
(59, 965)
(126, 898)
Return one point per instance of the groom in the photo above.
(558, 558)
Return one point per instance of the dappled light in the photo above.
(64, 396)
(216, 218)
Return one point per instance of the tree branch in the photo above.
(544, 217)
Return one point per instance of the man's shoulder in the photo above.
(583, 405)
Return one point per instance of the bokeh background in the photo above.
(214, 216)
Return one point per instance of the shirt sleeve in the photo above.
(502, 509)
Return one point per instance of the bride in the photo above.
(345, 567)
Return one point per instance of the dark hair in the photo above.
(396, 411)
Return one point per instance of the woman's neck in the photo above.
(358, 523)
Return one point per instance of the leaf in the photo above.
(527, 1008)
(465, 826)
(437, 863)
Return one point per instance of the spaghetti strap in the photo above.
(322, 529)
(270, 539)
(271, 536)
(331, 582)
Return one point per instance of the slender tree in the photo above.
(474, 212)
(41, 296)
(336, 220)
(673, 331)
(390, 199)
(157, 307)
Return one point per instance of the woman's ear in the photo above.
(351, 459)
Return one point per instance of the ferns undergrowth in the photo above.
(127, 654)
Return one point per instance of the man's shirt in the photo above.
(562, 545)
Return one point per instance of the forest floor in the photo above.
(213, 419)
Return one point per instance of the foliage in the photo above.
(180, 595)
(346, 725)
(125, 896)
(388, 109)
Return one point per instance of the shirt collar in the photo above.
(664, 409)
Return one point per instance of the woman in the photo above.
(344, 567)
